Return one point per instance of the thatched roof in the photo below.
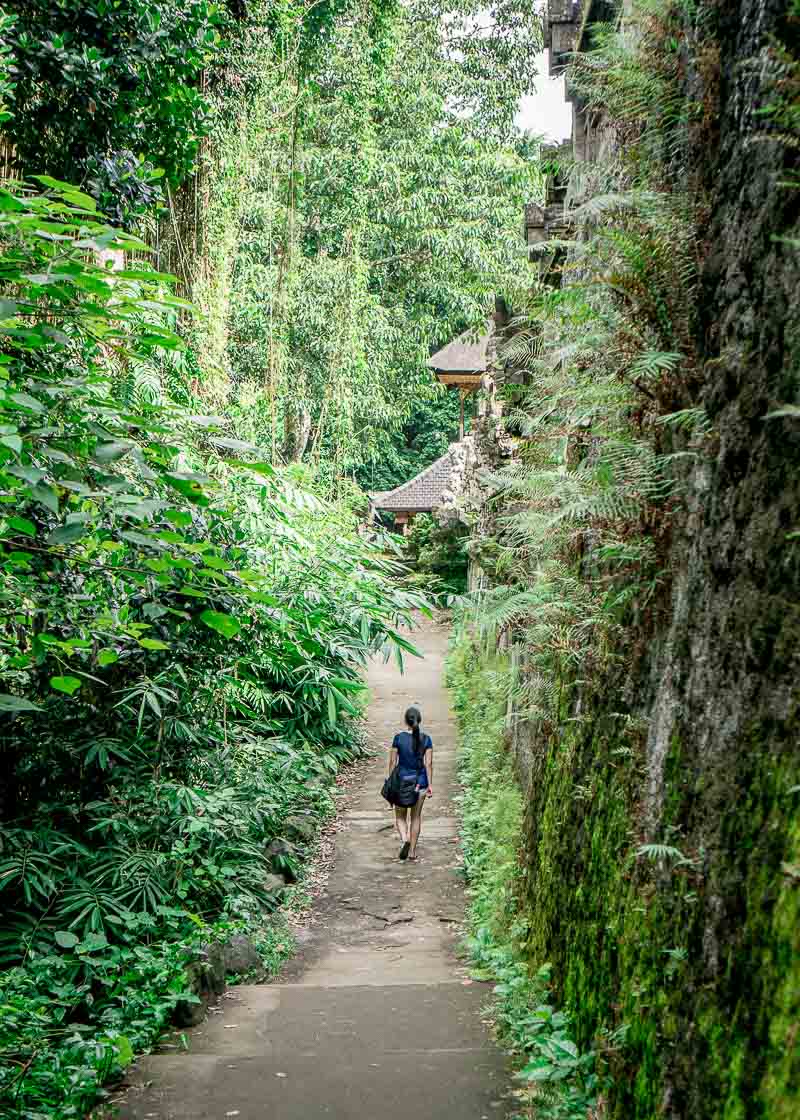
(465, 354)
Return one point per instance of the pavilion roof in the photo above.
(420, 494)
(465, 354)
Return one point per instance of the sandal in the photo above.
(406, 848)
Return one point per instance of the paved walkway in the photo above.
(372, 1020)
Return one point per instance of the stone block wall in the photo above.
(691, 738)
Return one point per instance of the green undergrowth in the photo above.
(569, 907)
(73, 1017)
(557, 1081)
(656, 733)
(626, 924)
(182, 634)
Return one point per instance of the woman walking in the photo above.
(412, 753)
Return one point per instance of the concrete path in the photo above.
(373, 1019)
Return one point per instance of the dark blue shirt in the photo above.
(407, 759)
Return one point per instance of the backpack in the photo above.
(398, 791)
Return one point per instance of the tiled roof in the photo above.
(421, 494)
(465, 354)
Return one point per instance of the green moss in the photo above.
(699, 961)
(780, 1087)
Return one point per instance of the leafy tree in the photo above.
(439, 550)
(375, 222)
(431, 427)
(98, 83)
(183, 619)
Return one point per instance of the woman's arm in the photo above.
(429, 770)
(392, 758)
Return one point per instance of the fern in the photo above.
(657, 853)
(688, 420)
(652, 364)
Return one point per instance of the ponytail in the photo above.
(413, 719)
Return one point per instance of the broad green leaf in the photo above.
(66, 534)
(124, 1050)
(9, 703)
(27, 474)
(9, 203)
(66, 939)
(191, 488)
(141, 540)
(107, 657)
(346, 685)
(25, 400)
(144, 274)
(110, 452)
(67, 191)
(233, 444)
(152, 702)
(152, 643)
(92, 942)
(69, 685)
(161, 340)
(22, 525)
(46, 495)
(224, 624)
(265, 469)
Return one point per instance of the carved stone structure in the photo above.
(567, 30)
(462, 363)
(467, 364)
(700, 697)
(550, 222)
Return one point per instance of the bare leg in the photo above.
(401, 824)
(416, 824)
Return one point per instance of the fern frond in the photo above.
(689, 420)
(653, 364)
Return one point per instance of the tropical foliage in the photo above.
(187, 601)
(608, 632)
(182, 632)
(607, 415)
(556, 1081)
(97, 84)
(377, 218)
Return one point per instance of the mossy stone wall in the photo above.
(699, 954)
